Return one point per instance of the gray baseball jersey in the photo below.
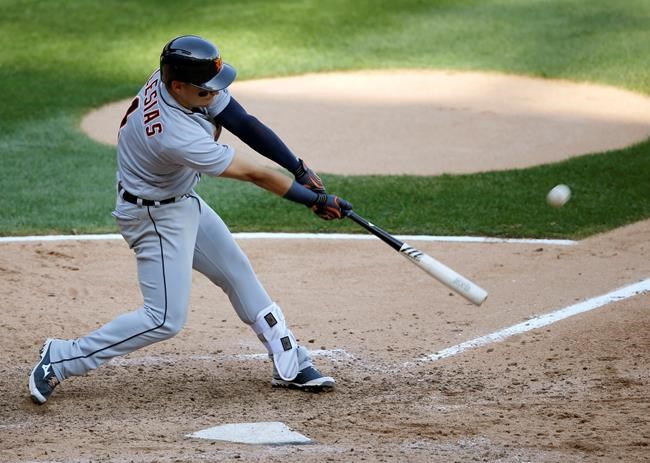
(163, 146)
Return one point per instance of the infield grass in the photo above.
(62, 58)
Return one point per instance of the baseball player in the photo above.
(166, 143)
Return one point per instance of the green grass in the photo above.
(506, 204)
(62, 58)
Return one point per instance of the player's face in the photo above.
(192, 96)
(206, 94)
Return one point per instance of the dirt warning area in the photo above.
(575, 390)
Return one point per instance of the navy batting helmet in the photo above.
(192, 59)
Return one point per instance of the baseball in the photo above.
(558, 196)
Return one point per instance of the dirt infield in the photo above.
(577, 390)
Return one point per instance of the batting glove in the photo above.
(307, 177)
(329, 207)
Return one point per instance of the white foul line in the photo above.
(542, 320)
(21, 239)
(332, 354)
(303, 236)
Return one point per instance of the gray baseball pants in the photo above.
(168, 241)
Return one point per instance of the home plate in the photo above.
(267, 433)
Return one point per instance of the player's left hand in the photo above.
(330, 207)
(307, 177)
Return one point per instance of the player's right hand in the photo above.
(307, 177)
(329, 207)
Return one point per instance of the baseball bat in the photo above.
(436, 269)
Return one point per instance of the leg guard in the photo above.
(279, 341)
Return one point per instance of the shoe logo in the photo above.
(46, 369)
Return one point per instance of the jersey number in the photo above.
(134, 105)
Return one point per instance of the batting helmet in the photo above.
(192, 59)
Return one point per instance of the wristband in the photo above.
(299, 194)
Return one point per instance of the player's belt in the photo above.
(126, 196)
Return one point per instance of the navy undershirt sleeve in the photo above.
(255, 134)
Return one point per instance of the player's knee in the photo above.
(170, 328)
(174, 323)
(168, 324)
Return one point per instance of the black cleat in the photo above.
(42, 380)
(308, 379)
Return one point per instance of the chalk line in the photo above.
(148, 360)
(540, 321)
(304, 236)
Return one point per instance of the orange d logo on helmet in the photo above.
(218, 64)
